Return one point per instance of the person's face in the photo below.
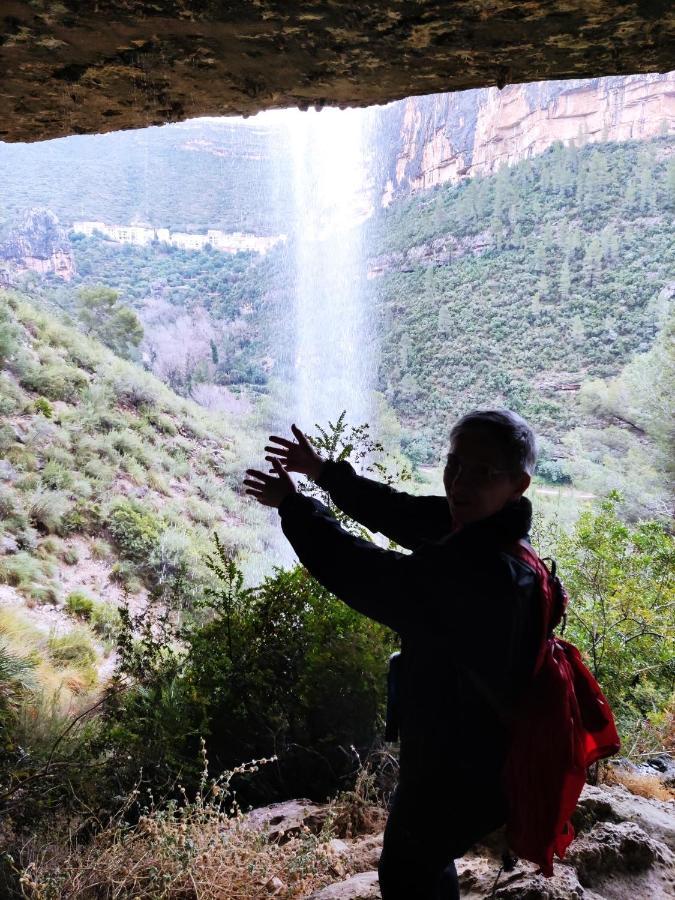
(477, 483)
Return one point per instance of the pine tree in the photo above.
(103, 316)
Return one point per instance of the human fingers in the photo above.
(281, 451)
(280, 471)
(284, 462)
(255, 473)
(300, 435)
(280, 440)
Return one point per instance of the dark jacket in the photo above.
(467, 611)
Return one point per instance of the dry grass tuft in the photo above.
(649, 786)
(200, 849)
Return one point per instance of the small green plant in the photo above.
(43, 406)
(69, 555)
(56, 476)
(106, 621)
(341, 441)
(80, 605)
(100, 549)
(48, 511)
(135, 530)
(125, 574)
(42, 594)
(72, 649)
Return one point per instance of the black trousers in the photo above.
(431, 826)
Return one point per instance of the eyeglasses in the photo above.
(478, 474)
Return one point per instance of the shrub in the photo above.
(311, 669)
(11, 507)
(620, 581)
(129, 444)
(55, 381)
(105, 620)
(8, 337)
(162, 423)
(11, 396)
(48, 511)
(80, 605)
(100, 471)
(158, 483)
(200, 847)
(72, 649)
(43, 406)
(55, 476)
(173, 567)
(125, 573)
(134, 469)
(42, 593)
(25, 461)
(47, 547)
(69, 555)
(100, 549)
(21, 569)
(83, 516)
(131, 389)
(7, 437)
(135, 530)
(201, 512)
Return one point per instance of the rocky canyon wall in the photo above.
(38, 244)
(441, 138)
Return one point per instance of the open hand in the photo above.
(270, 490)
(296, 457)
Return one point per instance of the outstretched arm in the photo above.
(378, 583)
(381, 584)
(402, 517)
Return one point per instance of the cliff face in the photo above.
(40, 244)
(447, 137)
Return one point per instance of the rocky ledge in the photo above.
(72, 67)
(624, 849)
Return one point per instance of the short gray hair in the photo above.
(511, 430)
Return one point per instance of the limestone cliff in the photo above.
(446, 137)
(39, 243)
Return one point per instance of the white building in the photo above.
(225, 242)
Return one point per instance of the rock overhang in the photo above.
(78, 67)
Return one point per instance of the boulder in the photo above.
(8, 544)
(663, 766)
(364, 886)
(7, 471)
(613, 847)
(616, 804)
(282, 820)
(478, 879)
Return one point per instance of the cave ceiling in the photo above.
(79, 67)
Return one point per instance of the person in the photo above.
(466, 609)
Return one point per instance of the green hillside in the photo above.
(560, 269)
(516, 289)
(102, 463)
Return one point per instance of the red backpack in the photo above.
(562, 725)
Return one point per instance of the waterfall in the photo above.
(333, 365)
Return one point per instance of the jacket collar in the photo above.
(509, 524)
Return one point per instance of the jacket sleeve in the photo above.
(459, 591)
(404, 518)
(378, 583)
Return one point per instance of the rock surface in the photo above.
(282, 820)
(623, 851)
(449, 137)
(39, 244)
(72, 68)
